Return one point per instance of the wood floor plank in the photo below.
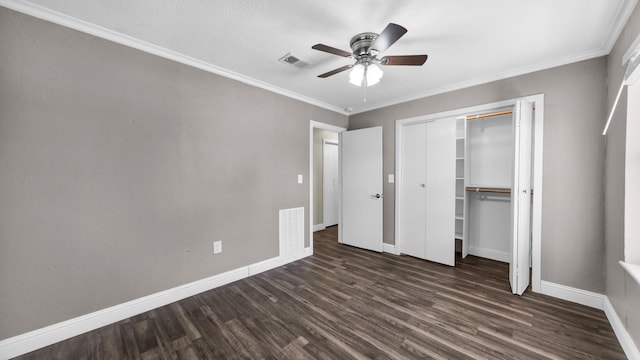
(348, 303)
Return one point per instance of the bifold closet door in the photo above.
(413, 184)
(440, 192)
(521, 198)
(427, 187)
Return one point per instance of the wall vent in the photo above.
(291, 232)
(291, 59)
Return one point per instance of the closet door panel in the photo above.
(440, 191)
(412, 211)
(521, 198)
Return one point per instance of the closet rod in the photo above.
(489, 190)
(482, 116)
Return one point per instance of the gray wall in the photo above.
(622, 291)
(572, 211)
(119, 170)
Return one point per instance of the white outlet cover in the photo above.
(217, 247)
(299, 178)
(391, 178)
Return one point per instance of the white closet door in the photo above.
(412, 183)
(361, 174)
(440, 191)
(521, 198)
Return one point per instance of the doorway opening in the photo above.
(324, 184)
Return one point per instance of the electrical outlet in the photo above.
(217, 247)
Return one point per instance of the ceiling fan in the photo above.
(366, 47)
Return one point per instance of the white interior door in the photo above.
(361, 175)
(412, 228)
(521, 198)
(329, 183)
(440, 192)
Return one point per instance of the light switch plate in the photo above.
(391, 178)
(217, 247)
(300, 178)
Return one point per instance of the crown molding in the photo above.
(545, 65)
(129, 41)
(623, 13)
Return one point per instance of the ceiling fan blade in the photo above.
(331, 50)
(387, 37)
(404, 60)
(335, 71)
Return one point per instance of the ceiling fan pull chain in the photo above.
(364, 85)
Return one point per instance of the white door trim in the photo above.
(318, 125)
(536, 224)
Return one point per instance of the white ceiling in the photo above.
(468, 41)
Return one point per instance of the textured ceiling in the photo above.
(468, 41)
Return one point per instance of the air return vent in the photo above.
(291, 232)
(291, 59)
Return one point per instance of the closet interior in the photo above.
(464, 184)
(487, 185)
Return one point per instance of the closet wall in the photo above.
(572, 225)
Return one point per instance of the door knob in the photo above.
(376, 196)
(423, 185)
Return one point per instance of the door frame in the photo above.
(538, 128)
(322, 126)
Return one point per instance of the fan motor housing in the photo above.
(360, 43)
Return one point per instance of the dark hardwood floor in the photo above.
(344, 303)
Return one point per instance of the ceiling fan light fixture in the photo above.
(371, 71)
(374, 74)
(356, 75)
(365, 50)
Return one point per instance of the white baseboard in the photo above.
(388, 248)
(629, 347)
(318, 227)
(490, 254)
(575, 295)
(273, 263)
(36, 339)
